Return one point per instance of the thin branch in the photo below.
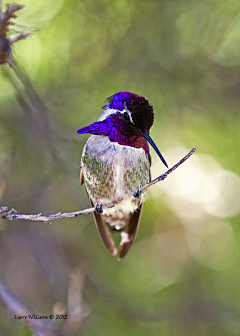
(14, 38)
(5, 42)
(7, 16)
(39, 218)
(163, 176)
(47, 219)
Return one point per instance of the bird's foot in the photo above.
(98, 209)
(137, 193)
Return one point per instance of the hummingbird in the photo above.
(115, 163)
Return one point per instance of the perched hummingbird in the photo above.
(115, 163)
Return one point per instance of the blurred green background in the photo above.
(182, 275)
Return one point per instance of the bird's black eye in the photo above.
(126, 116)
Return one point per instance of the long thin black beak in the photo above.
(148, 138)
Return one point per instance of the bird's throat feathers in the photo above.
(117, 131)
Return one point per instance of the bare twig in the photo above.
(14, 38)
(40, 218)
(7, 16)
(5, 22)
(47, 219)
(163, 176)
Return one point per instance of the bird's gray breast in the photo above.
(112, 172)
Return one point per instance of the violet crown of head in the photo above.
(141, 111)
